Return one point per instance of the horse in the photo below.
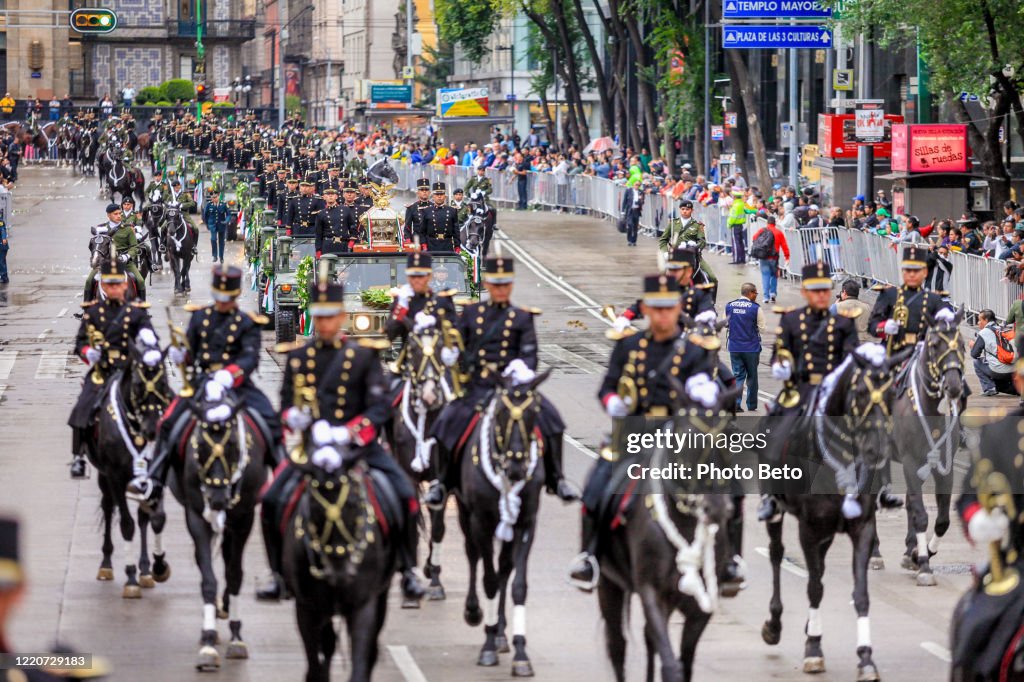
(935, 374)
(67, 151)
(122, 179)
(850, 432)
(88, 149)
(478, 228)
(100, 251)
(673, 550)
(134, 400)
(178, 241)
(224, 455)
(501, 481)
(426, 389)
(44, 139)
(339, 558)
(152, 219)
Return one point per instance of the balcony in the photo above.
(81, 86)
(239, 30)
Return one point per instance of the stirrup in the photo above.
(585, 585)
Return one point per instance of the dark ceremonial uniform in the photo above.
(439, 230)
(915, 303)
(238, 158)
(696, 298)
(362, 205)
(335, 228)
(815, 342)
(413, 217)
(219, 149)
(284, 203)
(302, 214)
(438, 304)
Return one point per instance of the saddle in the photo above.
(617, 498)
(182, 429)
(387, 505)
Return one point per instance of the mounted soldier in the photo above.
(695, 298)
(223, 347)
(480, 182)
(499, 341)
(688, 231)
(125, 247)
(438, 229)
(901, 314)
(414, 211)
(333, 393)
(107, 329)
(416, 304)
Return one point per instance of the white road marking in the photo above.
(574, 359)
(938, 651)
(405, 663)
(580, 446)
(43, 334)
(7, 359)
(80, 181)
(52, 365)
(787, 565)
(63, 312)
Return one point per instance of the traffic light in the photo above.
(93, 20)
(200, 92)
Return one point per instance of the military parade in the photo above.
(367, 365)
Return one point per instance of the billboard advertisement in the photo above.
(837, 136)
(940, 148)
(456, 102)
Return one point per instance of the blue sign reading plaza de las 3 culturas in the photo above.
(774, 9)
(756, 37)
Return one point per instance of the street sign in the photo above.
(407, 72)
(717, 132)
(383, 93)
(93, 20)
(510, 98)
(774, 9)
(776, 37)
(730, 119)
(869, 123)
(842, 80)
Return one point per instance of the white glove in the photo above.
(327, 458)
(177, 355)
(214, 392)
(985, 527)
(423, 321)
(147, 337)
(93, 355)
(152, 358)
(219, 413)
(891, 327)
(620, 324)
(296, 419)
(123, 258)
(322, 432)
(224, 378)
(341, 435)
(782, 370)
(690, 244)
(449, 356)
(520, 373)
(405, 294)
(701, 388)
(616, 407)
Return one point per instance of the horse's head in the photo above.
(423, 367)
(148, 390)
(516, 414)
(99, 246)
(474, 228)
(219, 462)
(943, 355)
(381, 173)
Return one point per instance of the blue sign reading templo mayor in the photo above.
(774, 9)
(772, 37)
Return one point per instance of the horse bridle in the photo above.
(218, 453)
(951, 358)
(515, 421)
(876, 398)
(150, 386)
(354, 543)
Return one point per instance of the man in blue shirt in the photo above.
(5, 246)
(215, 215)
(746, 322)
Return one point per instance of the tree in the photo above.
(969, 46)
(436, 65)
(469, 24)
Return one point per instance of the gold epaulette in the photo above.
(446, 292)
(852, 313)
(374, 343)
(705, 342)
(782, 310)
(257, 318)
(86, 304)
(192, 307)
(463, 301)
(532, 310)
(881, 287)
(783, 355)
(289, 346)
(707, 285)
(140, 304)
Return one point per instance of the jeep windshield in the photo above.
(358, 277)
(300, 249)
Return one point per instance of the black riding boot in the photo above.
(584, 571)
(443, 484)
(78, 461)
(554, 481)
(411, 587)
(275, 590)
(886, 500)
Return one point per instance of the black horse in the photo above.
(479, 225)
(123, 180)
(223, 472)
(673, 550)
(426, 389)
(134, 400)
(850, 433)
(179, 240)
(339, 558)
(934, 375)
(100, 251)
(501, 481)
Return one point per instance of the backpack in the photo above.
(763, 245)
(1005, 341)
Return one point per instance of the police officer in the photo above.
(303, 211)
(439, 231)
(810, 343)
(499, 340)
(414, 211)
(695, 298)
(103, 342)
(640, 364)
(416, 299)
(351, 408)
(335, 226)
(223, 347)
(899, 312)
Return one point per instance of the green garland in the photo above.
(303, 278)
(376, 298)
(474, 286)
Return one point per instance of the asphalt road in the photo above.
(568, 266)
